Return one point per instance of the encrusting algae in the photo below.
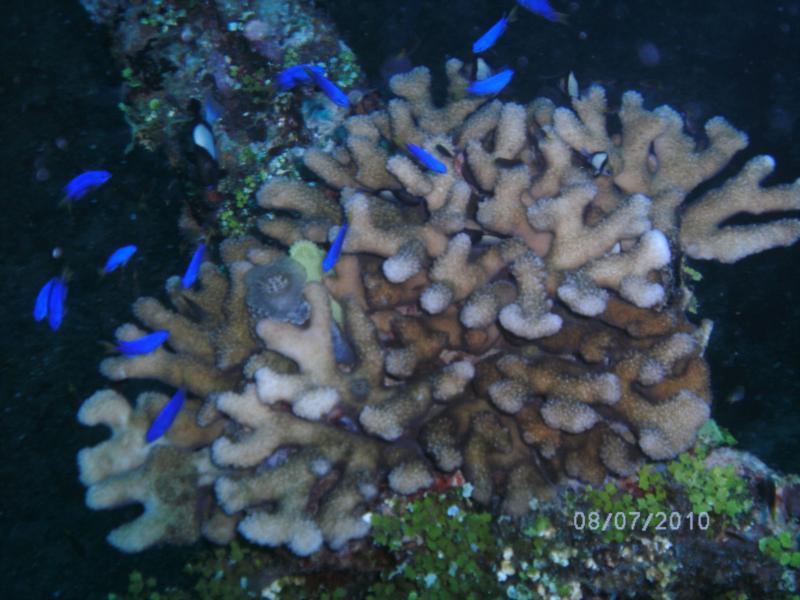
(518, 318)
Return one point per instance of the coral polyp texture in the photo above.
(519, 318)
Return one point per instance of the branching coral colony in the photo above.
(519, 318)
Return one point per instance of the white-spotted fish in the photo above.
(572, 87)
(204, 138)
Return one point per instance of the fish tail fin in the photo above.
(512, 14)
(108, 347)
(562, 18)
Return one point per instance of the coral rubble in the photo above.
(519, 318)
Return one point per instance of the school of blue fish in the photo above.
(50, 302)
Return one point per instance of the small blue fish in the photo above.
(80, 185)
(145, 344)
(166, 417)
(55, 303)
(330, 89)
(336, 249)
(488, 39)
(289, 78)
(119, 257)
(42, 300)
(427, 159)
(491, 85)
(194, 267)
(543, 9)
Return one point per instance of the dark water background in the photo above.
(737, 59)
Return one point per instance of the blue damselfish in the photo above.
(55, 303)
(543, 9)
(143, 345)
(194, 267)
(42, 300)
(491, 85)
(488, 39)
(50, 302)
(80, 185)
(166, 417)
(290, 77)
(119, 257)
(427, 159)
(333, 93)
(336, 249)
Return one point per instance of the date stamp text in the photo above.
(637, 521)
